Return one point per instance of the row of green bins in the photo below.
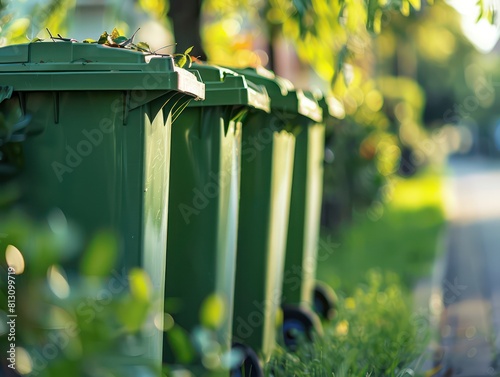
(203, 209)
(98, 145)
(266, 185)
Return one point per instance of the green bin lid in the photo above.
(226, 87)
(331, 106)
(283, 95)
(72, 66)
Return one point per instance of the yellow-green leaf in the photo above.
(212, 312)
(182, 61)
(100, 257)
(491, 15)
(89, 40)
(143, 46)
(103, 38)
(405, 8)
(115, 34)
(132, 313)
(416, 4)
(140, 284)
(188, 50)
(377, 21)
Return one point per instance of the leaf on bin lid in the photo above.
(103, 38)
(143, 46)
(100, 257)
(89, 40)
(121, 39)
(181, 60)
(188, 50)
(115, 34)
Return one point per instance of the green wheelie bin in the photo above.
(305, 213)
(300, 288)
(98, 146)
(203, 207)
(266, 184)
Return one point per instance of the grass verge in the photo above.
(374, 268)
(403, 240)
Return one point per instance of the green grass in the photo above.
(403, 240)
(376, 264)
(374, 334)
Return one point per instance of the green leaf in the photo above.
(132, 313)
(372, 9)
(120, 39)
(481, 13)
(480, 4)
(212, 311)
(491, 15)
(143, 46)
(416, 4)
(188, 50)
(89, 40)
(115, 34)
(182, 61)
(100, 257)
(377, 21)
(180, 345)
(140, 284)
(103, 38)
(405, 8)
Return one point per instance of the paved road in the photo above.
(469, 278)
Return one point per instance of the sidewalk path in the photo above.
(469, 323)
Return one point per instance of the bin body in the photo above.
(305, 215)
(98, 146)
(266, 177)
(204, 200)
(266, 184)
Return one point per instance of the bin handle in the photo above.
(11, 132)
(16, 132)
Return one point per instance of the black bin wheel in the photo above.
(249, 365)
(324, 301)
(299, 324)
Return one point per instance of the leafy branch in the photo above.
(116, 40)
